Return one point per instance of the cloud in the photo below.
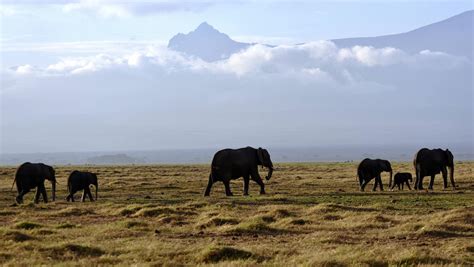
(6, 11)
(314, 59)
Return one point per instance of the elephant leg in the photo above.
(399, 187)
(37, 194)
(445, 178)
(362, 187)
(227, 188)
(246, 185)
(43, 192)
(393, 186)
(88, 191)
(420, 183)
(431, 182)
(258, 180)
(418, 178)
(209, 186)
(19, 198)
(380, 182)
(408, 184)
(375, 184)
(83, 198)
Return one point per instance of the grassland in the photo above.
(313, 214)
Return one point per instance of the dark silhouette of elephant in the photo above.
(429, 162)
(372, 168)
(81, 181)
(32, 175)
(229, 164)
(402, 178)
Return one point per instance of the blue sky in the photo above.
(97, 75)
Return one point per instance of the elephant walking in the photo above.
(372, 168)
(32, 175)
(429, 162)
(81, 181)
(400, 179)
(230, 164)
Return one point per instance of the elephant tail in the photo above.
(14, 180)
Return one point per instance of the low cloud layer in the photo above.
(310, 94)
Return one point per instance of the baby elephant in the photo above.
(401, 178)
(81, 181)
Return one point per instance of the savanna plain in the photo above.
(313, 214)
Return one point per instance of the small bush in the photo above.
(66, 226)
(129, 211)
(17, 236)
(72, 251)
(73, 211)
(133, 224)
(27, 225)
(154, 212)
(256, 226)
(217, 254)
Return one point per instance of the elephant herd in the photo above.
(230, 164)
(427, 162)
(32, 175)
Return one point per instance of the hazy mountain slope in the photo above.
(453, 36)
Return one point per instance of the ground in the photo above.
(313, 214)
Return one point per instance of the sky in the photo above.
(96, 75)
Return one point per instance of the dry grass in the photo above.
(313, 214)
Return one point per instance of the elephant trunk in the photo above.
(451, 176)
(270, 172)
(53, 184)
(390, 180)
(96, 191)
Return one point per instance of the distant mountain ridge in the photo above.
(453, 36)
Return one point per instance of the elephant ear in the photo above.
(260, 155)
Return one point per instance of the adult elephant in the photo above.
(229, 164)
(32, 175)
(429, 162)
(81, 181)
(372, 168)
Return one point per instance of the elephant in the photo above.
(32, 175)
(402, 178)
(230, 164)
(372, 168)
(81, 181)
(429, 162)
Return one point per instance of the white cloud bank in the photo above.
(310, 58)
(302, 95)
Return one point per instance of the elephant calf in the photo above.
(401, 178)
(81, 181)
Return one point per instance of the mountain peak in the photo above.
(204, 26)
(206, 42)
